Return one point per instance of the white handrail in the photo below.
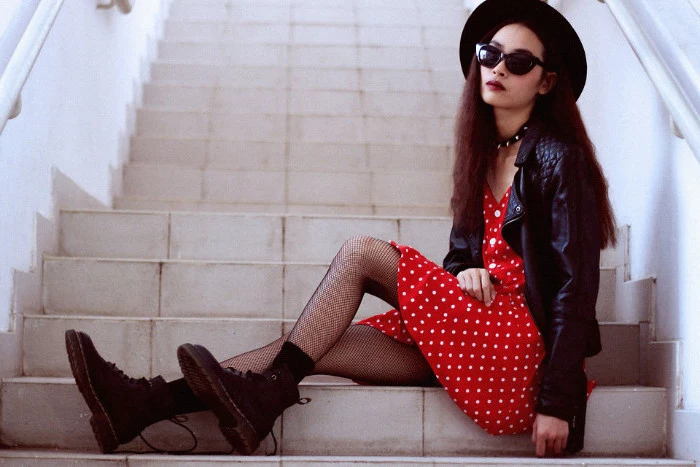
(666, 62)
(25, 54)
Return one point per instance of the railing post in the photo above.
(25, 54)
(124, 6)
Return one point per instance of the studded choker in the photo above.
(513, 139)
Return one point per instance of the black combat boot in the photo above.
(246, 404)
(122, 407)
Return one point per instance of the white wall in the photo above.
(74, 120)
(654, 180)
(7, 9)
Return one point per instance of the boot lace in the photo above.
(180, 421)
(302, 401)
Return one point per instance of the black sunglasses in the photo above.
(518, 63)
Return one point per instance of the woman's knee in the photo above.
(361, 248)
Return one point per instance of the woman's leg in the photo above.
(248, 404)
(363, 353)
(257, 360)
(363, 265)
(366, 354)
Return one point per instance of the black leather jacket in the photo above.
(551, 221)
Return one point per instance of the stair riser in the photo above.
(147, 347)
(144, 347)
(338, 15)
(181, 289)
(242, 155)
(144, 204)
(277, 187)
(311, 56)
(223, 237)
(400, 421)
(309, 34)
(275, 77)
(296, 128)
(301, 102)
(254, 237)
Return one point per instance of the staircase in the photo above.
(270, 133)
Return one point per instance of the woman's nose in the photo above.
(500, 68)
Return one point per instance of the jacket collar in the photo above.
(529, 141)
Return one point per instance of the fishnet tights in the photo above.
(324, 330)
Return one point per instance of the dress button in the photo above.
(517, 208)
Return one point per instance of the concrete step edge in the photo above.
(254, 214)
(399, 416)
(146, 165)
(209, 319)
(198, 261)
(225, 203)
(153, 84)
(219, 138)
(39, 456)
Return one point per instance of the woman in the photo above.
(504, 327)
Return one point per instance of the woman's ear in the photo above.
(548, 82)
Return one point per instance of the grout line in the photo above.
(168, 253)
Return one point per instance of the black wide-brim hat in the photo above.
(492, 13)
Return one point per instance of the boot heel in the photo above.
(104, 434)
(242, 438)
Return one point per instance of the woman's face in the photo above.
(502, 89)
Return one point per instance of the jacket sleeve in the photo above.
(575, 249)
(459, 257)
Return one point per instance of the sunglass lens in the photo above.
(489, 56)
(519, 64)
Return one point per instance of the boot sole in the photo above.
(202, 374)
(101, 424)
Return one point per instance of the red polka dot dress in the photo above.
(486, 358)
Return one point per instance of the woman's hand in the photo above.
(476, 283)
(549, 435)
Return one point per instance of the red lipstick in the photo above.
(493, 84)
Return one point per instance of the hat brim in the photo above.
(491, 13)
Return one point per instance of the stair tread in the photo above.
(405, 421)
(367, 461)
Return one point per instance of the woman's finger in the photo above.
(540, 445)
(475, 278)
(461, 281)
(486, 286)
(559, 445)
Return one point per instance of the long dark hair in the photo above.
(475, 134)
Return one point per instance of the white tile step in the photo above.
(215, 153)
(138, 203)
(310, 34)
(450, 15)
(240, 237)
(275, 127)
(305, 77)
(380, 187)
(251, 237)
(345, 420)
(299, 102)
(177, 288)
(13, 458)
(147, 347)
